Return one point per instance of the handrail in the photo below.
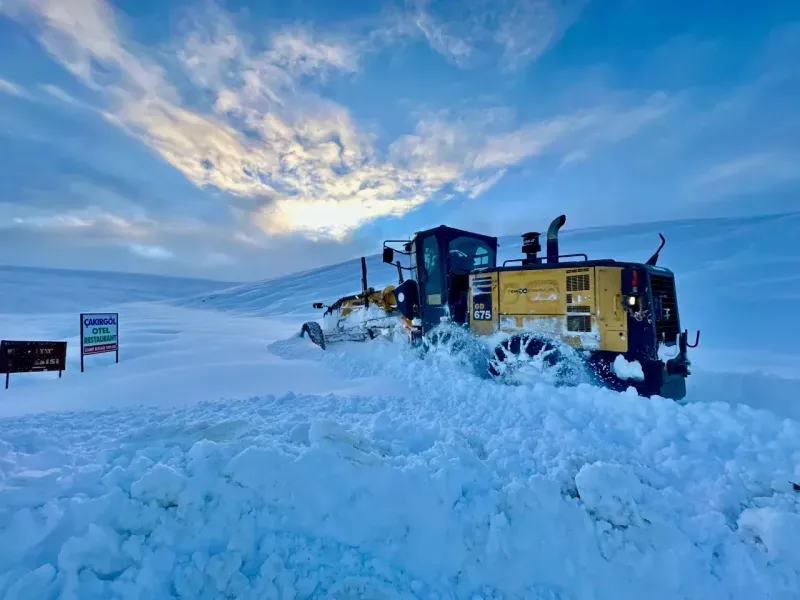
(512, 260)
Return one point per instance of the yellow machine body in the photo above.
(581, 306)
(382, 298)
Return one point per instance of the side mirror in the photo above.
(319, 305)
(388, 255)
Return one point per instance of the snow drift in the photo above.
(549, 494)
(224, 457)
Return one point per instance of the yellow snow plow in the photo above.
(621, 318)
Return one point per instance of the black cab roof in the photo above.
(449, 233)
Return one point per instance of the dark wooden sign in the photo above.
(32, 357)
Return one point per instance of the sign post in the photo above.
(32, 357)
(99, 334)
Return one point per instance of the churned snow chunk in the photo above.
(778, 530)
(97, 550)
(161, 484)
(610, 492)
(35, 584)
(628, 370)
(222, 567)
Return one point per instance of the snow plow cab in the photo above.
(620, 318)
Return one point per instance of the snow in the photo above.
(777, 530)
(225, 457)
(627, 369)
(667, 352)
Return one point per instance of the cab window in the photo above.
(433, 269)
(470, 254)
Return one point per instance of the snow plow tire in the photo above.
(562, 363)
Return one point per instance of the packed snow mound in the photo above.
(460, 493)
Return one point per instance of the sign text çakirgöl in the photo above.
(99, 334)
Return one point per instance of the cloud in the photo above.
(302, 158)
(151, 252)
(217, 259)
(12, 89)
(477, 186)
(291, 159)
(531, 140)
(531, 27)
(62, 96)
(519, 31)
(13, 216)
(782, 47)
(749, 173)
(573, 157)
(455, 49)
(299, 53)
(481, 141)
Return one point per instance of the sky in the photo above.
(242, 140)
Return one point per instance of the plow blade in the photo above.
(322, 338)
(314, 332)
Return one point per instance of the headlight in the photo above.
(631, 300)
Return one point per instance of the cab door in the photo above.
(432, 281)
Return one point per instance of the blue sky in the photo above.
(242, 140)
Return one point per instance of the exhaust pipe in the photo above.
(552, 238)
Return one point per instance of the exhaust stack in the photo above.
(552, 238)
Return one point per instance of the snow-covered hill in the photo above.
(224, 457)
(26, 290)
